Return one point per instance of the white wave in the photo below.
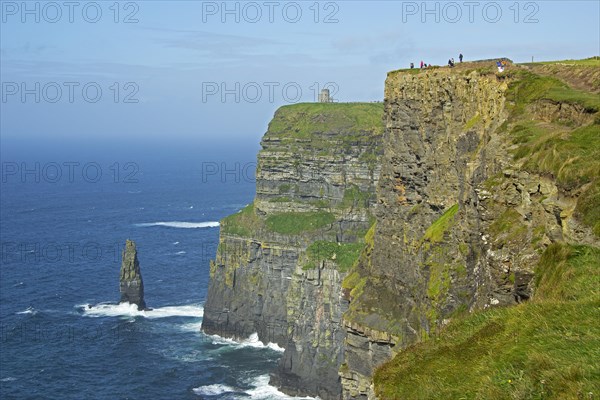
(263, 391)
(213, 390)
(275, 347)
(192, 327)
(191, 207)
(29, 310)
(179, 224)
(8, 379)
(252, 341)
(180, 252)
(18, 284)
(216, 339)
(175, 243)
(131, 310)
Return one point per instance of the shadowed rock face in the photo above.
(131, 283)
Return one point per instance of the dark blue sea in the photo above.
(63, 335)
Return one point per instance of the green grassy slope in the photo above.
(587, 62)
(547, 348)
(563, 149)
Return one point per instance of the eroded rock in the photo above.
(131, 284)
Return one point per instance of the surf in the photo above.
(131, 310)
(180, 224)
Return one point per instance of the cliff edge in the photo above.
(444, 243)
(488, 180)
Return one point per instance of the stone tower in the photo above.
(324, 96)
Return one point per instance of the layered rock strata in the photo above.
(131, 284)
(281, 260)
(460, 225)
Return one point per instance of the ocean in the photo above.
(63, 335)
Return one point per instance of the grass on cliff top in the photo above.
(413, 71)
(547, 348)
(297, 222)
(242, 223)
(344, 255)
(587, 62)
(304, 120)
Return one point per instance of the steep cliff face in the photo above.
(281, 260)
(462, 218)
(437, 151)
(363, 241)
(131, 284)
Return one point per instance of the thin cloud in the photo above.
(217, 44)
(26, 49)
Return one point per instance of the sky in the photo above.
(185, 77)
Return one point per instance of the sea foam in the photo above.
(180, 224)
(29, 310)
(131, 310)
(263, 391)
(251, 341)
(195, 327)
(213, 390)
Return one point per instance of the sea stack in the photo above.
(131, 283)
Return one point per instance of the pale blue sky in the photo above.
(179, 50)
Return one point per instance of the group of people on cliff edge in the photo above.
(450, 62)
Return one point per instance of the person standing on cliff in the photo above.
(421, 63)
(460, 57)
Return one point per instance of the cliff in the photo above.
(482, 176)
(384, 258)
(281, 260)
